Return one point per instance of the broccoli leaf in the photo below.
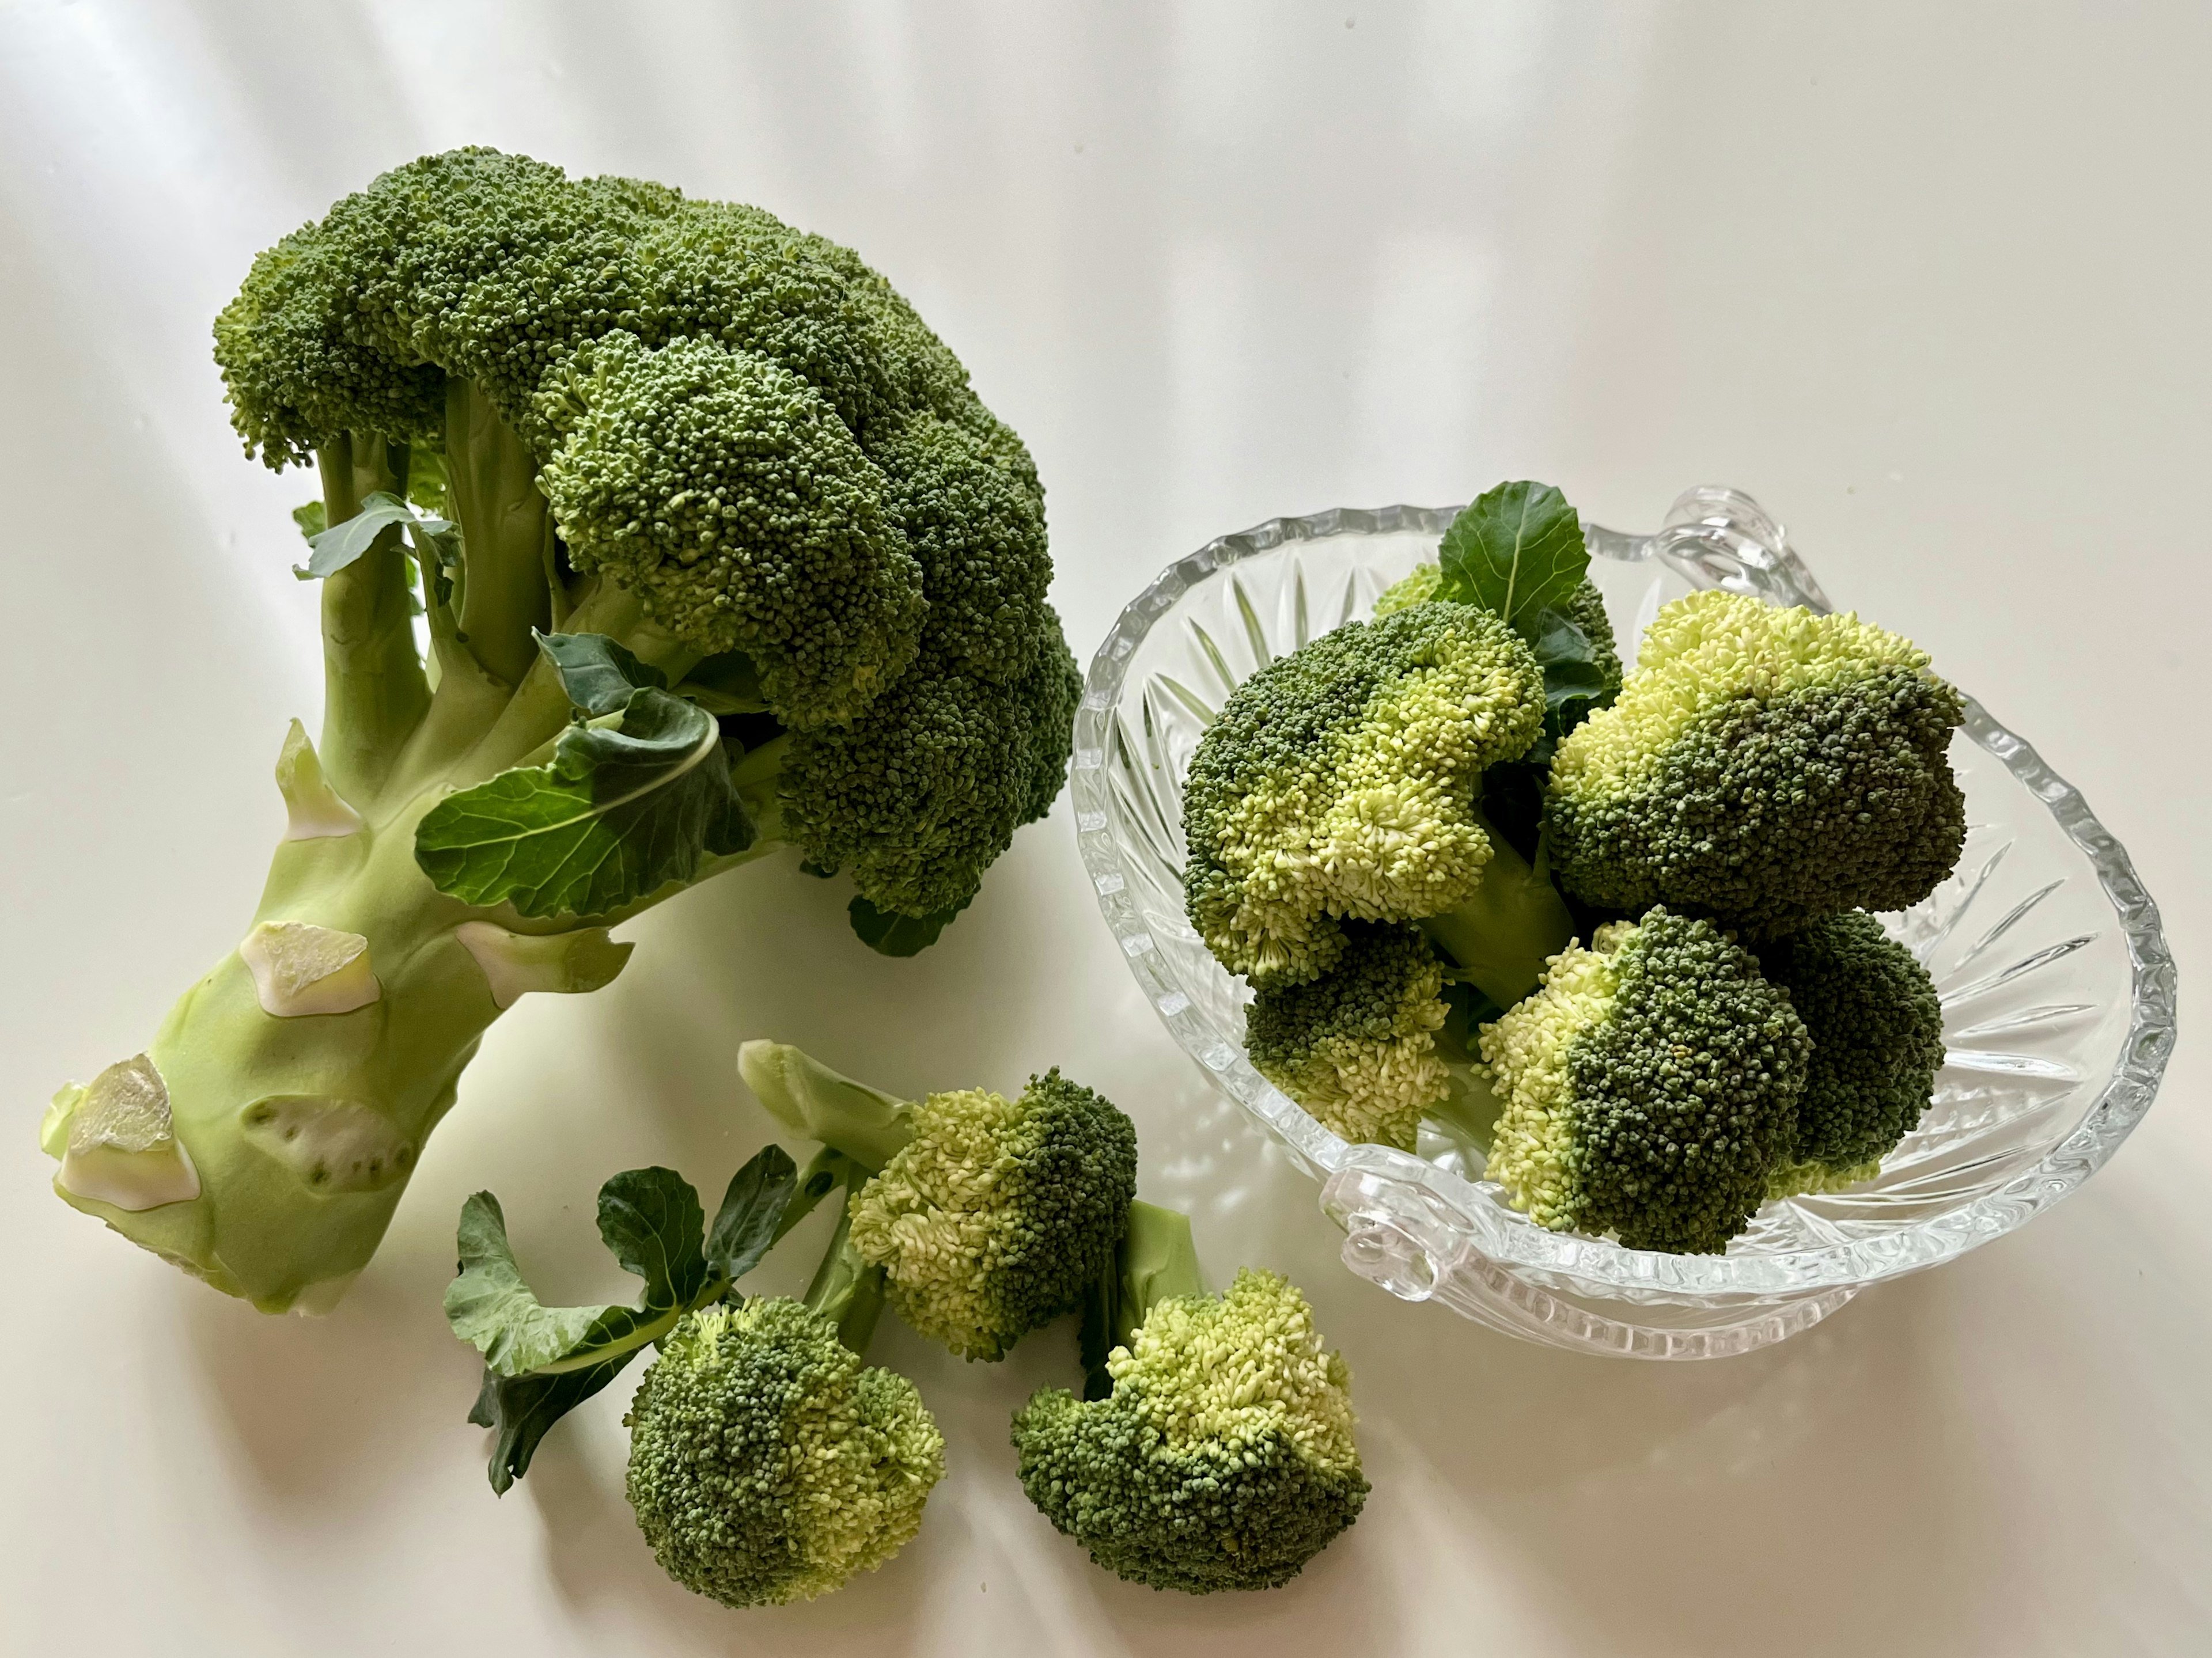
(638, 798)
(519, 1409)
(1574, 679)
(312, 518)
(889, 933)
(752, 1215)
(333, 548)
(1518, 551)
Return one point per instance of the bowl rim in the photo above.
(1569, 1260)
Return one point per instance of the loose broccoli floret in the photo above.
(1222, 1458)
(1340, 782)
(766, 1464)
(734, 560)
(990, 1216)
(1650, 1087)
(1358, 1046)
(1877, 1030)
(1764, 766)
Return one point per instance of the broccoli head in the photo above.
(722, 554)
(1222, 1458)
(1358, 1046)
(990, 1217)
(1765, 766)
(1877, 1031)
(767, 1463)
(1649, 1087)
(1340, 782)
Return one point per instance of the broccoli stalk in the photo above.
(734, 560)
(990, 1216)
(1213, 1449)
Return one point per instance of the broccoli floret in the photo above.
(735, 561)
(1649, 1087)
(1877, 1031)
(1358, 1046)
(1224, 1457)
(1339, 782)
(990, 1216)
(766, 1464)
(1764, 766)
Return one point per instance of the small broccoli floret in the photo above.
(990, 1216)
(998, 1215)
(1358, 1046)
(720, 487)
(1877, 1030)
(1340, 782)
(1764, 766)
(1650, 1087)
(766, 1464)
(1223, 1456)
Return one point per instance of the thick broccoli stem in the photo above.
(1501, 938)
(864, 1124)
(375, 691)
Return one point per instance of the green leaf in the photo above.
(1574, 681)
(312, 518)
(519, 1409)
(341, 543)
(751, 1214)
(889, 933)
(638, 799)
(598, 674)
(540, 1361)
(1518, 551)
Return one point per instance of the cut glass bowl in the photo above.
(2057, 988)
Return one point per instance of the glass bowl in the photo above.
(2057, 988)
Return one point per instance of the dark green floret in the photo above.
(1877, 1030)
(1223, 1457)
(1765, 766)
(1649, 1088)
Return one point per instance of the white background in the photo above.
(1929, 281)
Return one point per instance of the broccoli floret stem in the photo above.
(375, 691)
(1156, 1259)
(845, 1288)
(1500, 939)
(865, 1124)
(507, 534)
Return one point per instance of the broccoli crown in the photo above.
(999, 1215)
(1650, 1087)
(1765, 766)
(1358, 1046)
(1340, 780)
(744, 425)
(1877, 1030)
(1585, 608)
(1223, 1458)
(766, 1464)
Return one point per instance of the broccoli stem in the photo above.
(507, 533)
(864, 1124)
(375, 692)
(1157, 1260)
(1500, 939)
(846, 1289)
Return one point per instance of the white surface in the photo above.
(1927, 280)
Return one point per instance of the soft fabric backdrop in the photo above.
(1927, 281)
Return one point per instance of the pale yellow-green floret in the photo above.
(1370, 1092)
(1533, 1154)
(1418, 588)
(1233, 1368)
(1709, 648)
